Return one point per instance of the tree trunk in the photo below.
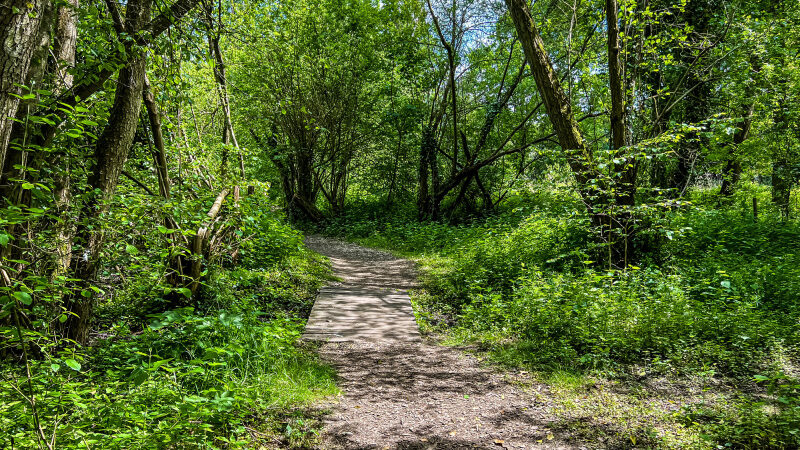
(618, 129)
(732, 172)
(20, 22)
(66, 38)
(228, 135)
(625, 191)
(423, 192)
(111, 153)
(428, 201)
(697, 101)
(395, 166)
(160, 153)
(559, 111)
(782, 181)
(451, 73)
(619, 229)
(200, 241)
(557, 105)
(17, 155)
(177, 264)
(305, 196)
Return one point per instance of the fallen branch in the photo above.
(203, 233)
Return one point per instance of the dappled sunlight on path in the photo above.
(401, 391)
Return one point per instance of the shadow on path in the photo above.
(401, 392)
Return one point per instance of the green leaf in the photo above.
(27, 186)
(54, 367)
(3, 239)
(726, 284)
(131, 249)
(72, 364)
(23, 297)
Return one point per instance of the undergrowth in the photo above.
(225, 372)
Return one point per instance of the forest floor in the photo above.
(403, 391)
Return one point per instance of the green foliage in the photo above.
(209, 381)
(598, 320)
(769, 422)
(268, 240)
(228, 372)
(329, 100)
(525, 278)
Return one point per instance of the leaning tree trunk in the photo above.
(228, 135)
(160, 151)
(559, 111)
(558, 106)
(110, 155)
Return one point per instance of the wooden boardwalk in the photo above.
(370, 304)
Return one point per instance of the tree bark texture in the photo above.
(20, 21)
(66, 37)
(557, 105)
(625, 192)
(618, 129)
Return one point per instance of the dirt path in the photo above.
(400, 391)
